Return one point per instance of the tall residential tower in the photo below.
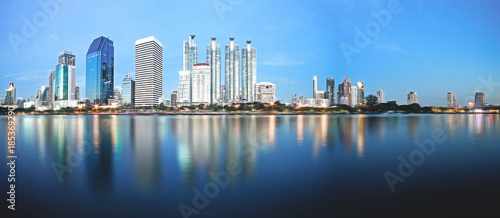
(213, 59)
(249, 72)
(148, 71)
(232, 85)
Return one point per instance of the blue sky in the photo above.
(431, 47)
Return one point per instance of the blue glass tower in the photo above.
(100, 71)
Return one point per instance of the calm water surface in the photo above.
(275, 166)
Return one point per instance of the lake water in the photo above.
(255, 165)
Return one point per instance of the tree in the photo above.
(371, 101)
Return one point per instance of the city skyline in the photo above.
(387, 63)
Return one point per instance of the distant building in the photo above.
(200, 84)
(232, 85)
(173, 99)
(344, 92)
(51, 89)
(190, 54)
(412, 98)
(322, 102)
(315, 86)
(354, 96)
(265, 92)
(380, 96)
(2, 101)
(128, 90)
(184, 88)
(214, 60)
(301, 100)
(42, 98)
(471, 104)
(330, 88)
(320, 95)
(248, 72)
(148, 71)
(480, 99)
(361, 94)
(451, 100)
(10, 95)
(64, 82)
(77, 93)
(294, 99)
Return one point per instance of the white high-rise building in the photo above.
(213, 59)
(315, 86)
(200, 84)
(452, 100)
(232, 72)
(184, 88)
(412, 98)
(248, 71)
(354, 96)
(381, 96)
(148, 71)
(265, 92)
(190, 54)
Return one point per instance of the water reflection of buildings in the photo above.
(147, 152)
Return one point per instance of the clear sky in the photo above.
(431, 47)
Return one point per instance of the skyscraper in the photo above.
(249, 71)
(451, 100)
(51, 88)
(99, 79)
(315, 86)
(77, 92)
(330, 88)
(190, 54)
(64, 77)
(148, 71)
(354, 96)
(265, 92)
(412, 98)
(344, 92)
(380, 96)
(213, 59)
(232, 84)
(128, 90)
(200, 84)
(184, 88)
(10, 95)
(42, 97)
(361, 93)
(480, 99)
(173, 99)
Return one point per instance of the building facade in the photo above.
(380, 96)
(232, 85)
(344, 92)
(99, 77)
(361, 94)
(353, 102)
(412, 98)
(315, 86)
(173, 99)
(265, 92)
(64, 77)
(148, 71)
(200, 84)
(451, 100)
(330, 88)
(214, 60)
(248, 72)
(480, 99)
(128, 90)
(190, 54)
(184, 88)
(10, 95)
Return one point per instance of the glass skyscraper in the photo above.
(190, 54)
(213, 59)
(249, 72)
(64, 77)
(99, 78)
(10, 95)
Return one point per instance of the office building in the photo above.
(344, 92)
(51, 88)
(173, 99)
(232, 84)
(265, 92)
(451, 100)
(190, 54)
(214, 60)
(380, 96)
(77, 92)
(200, 84)
(128, 90)
(10, 95)
(480, 99)
(353, 102)
(315, 86)
(320, 94)
(412, 98)
(148, 71)
(184, 88)
(64, 77)
(294, 99)
(99, 79)
(361, 94)
(330, 89)
(248, 72)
